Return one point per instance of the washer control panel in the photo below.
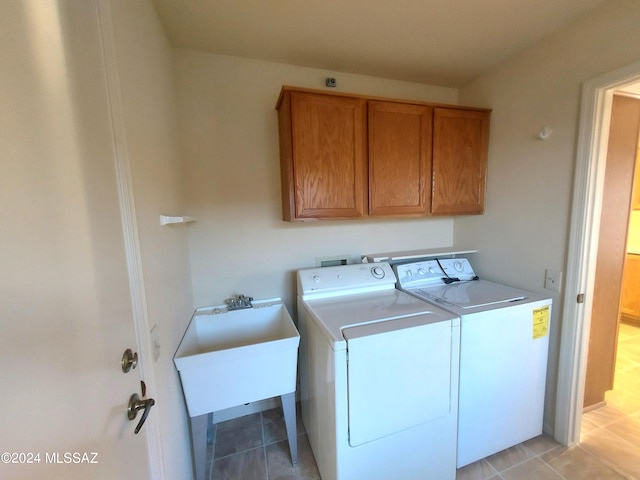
(458, 267)
(434, 272)
(354, 278)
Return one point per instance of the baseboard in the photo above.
(635, 321)
(594, 406)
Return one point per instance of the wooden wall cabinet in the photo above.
(323, 153)
(346, 156)
(630, 292)
(460, 151)
(635, 196)
(399, 158)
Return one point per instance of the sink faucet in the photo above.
(239, 302)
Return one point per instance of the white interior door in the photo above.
(65, 308)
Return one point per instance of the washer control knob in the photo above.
(316, 278)
(378, 272)
(432, 270)
(421, 271)
(409, 273)
(458, 265)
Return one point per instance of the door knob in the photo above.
(129, 360)
(136, 404)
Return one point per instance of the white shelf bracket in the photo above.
(168, 220)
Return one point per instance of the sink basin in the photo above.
(229, 358)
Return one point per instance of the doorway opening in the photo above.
(612, 394)
(612, 257)
(597, 96)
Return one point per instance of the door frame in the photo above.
(130, 231)
(593, 137)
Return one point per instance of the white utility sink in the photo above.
(229, 358)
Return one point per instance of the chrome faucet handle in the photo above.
(244, 300)
(239, 302)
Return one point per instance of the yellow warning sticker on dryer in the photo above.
(541, 322)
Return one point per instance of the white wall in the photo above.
(148, 100)
(525, 228)
(229, 135)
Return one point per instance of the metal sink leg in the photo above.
(198, 427)
(289, 409)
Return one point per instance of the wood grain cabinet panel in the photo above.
(399, 158)
(323, 156)
(635, 198)
(630, 293)
(460, 150)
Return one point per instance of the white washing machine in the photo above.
(379, 376)
(504, 343)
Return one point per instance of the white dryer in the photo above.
(504, 345)
(379, 376)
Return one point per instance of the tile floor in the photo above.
(254, 447)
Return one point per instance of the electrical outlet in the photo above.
(553, 280)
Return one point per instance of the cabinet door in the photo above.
(399, 158)
(635, 198)
(629, 298)
(460, 148)
(328, 162)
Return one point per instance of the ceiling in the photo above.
(437, 42)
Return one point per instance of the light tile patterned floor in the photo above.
(254, 447)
